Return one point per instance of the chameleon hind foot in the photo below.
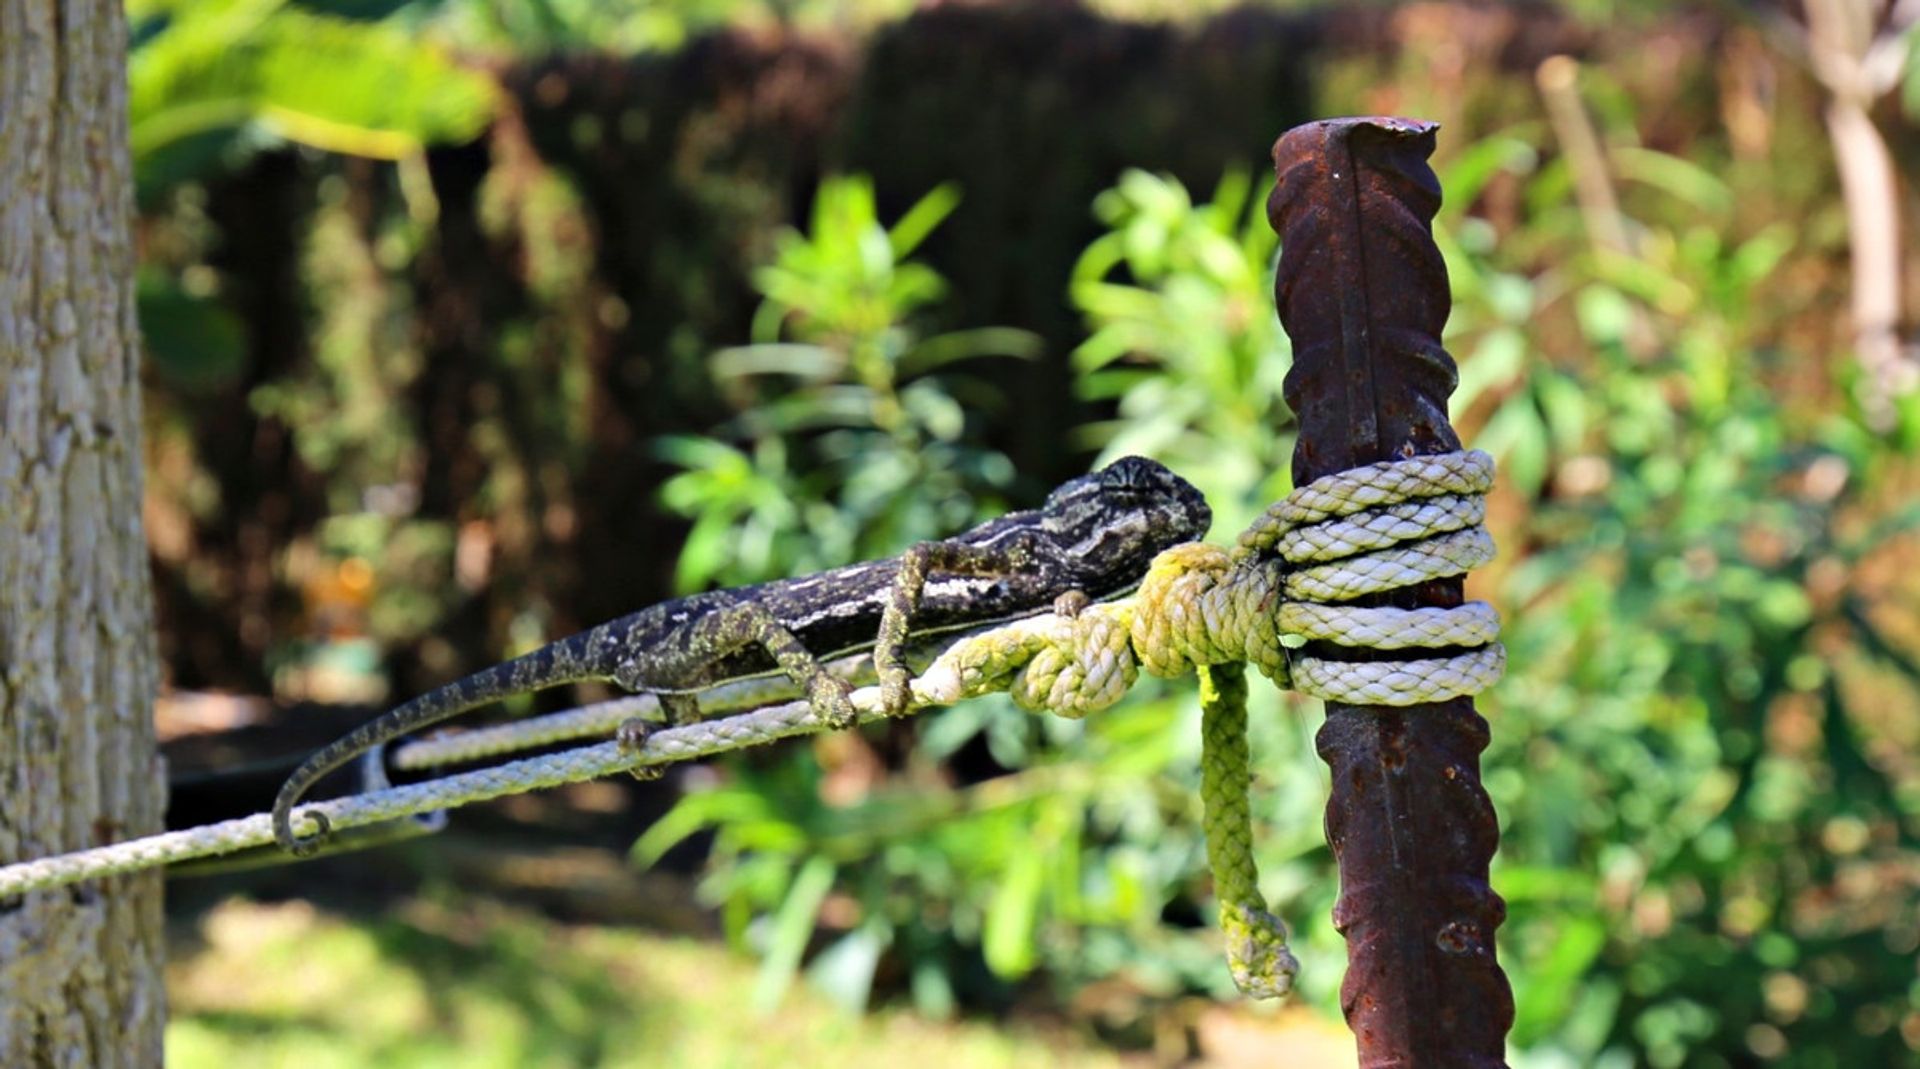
(747, 624)
(632, 735)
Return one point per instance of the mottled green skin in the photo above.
(1095, 534)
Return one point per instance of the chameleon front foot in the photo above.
(632, 735)
(832, 701)
(1071, 603)
(896, 690)
(909, 586)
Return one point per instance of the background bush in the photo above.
(544, 312)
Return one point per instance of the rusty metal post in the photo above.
(1363, 293)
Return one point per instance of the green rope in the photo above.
(1257, 953)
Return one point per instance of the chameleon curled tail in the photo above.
(545, 667)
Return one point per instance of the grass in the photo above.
(481, 985)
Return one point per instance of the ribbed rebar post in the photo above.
(1362, 291)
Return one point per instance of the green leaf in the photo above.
(690, 815)
(921, 219)
(359, 88)
(933, 994)
(844, 971)
(1605, 314)
(1553, 983)
(1499, 359)
(807, 362)
(1690, 182)
(792, 928)
(943, 349)
(1756, 257)
(1517, 437)
(1013, 915)
(1910, 97)
(1468, 173)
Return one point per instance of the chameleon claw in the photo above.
(680, 708)
(1071, 603)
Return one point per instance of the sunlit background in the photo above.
(475, 322)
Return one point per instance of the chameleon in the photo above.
(1092, 538)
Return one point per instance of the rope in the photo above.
(1279, 588)
(601, 719)
(1257, 954)
(1363, 532)
(666, 746)
(1284, 584)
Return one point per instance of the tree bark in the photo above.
(80, 980)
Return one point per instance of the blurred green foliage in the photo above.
(209, 80)
(1695, 698)
(847, 442)
(1182, 338)
(473, 372)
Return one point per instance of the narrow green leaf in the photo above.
(1013, 916)
(844, 971)
(943, 349)
(792, 928)
(921, 219)
(1681, 178)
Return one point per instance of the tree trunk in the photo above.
(80, 979)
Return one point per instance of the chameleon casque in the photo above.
(1093, 538)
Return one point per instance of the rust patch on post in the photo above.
(1362, 291)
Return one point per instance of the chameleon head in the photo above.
(1132, 507)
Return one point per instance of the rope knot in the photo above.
(1087, 665)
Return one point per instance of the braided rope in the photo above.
(1256, 939)
(1379, 528)
(601, 719)
(663, 747)
(1388, 482)
(598, 720)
